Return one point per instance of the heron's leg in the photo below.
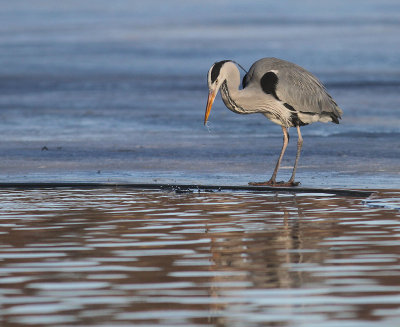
(284, 146)
(299, 145)
(272, 181)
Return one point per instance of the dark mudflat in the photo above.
(188, 188)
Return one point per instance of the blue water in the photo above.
(120, 257)
(120, 87)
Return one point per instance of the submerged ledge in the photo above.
(187, 188)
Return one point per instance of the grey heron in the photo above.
(282, 91)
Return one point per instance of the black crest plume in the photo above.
(217, 68)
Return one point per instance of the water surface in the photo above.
(123, 257)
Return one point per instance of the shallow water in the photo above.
(122, 258)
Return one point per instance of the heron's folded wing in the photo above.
(305, 93)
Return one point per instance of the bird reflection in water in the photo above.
(259, 251)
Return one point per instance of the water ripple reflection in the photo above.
(122, 257)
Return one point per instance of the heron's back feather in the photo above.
(297, 88)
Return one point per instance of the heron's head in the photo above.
(217, 75)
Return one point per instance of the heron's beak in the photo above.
(210, 101)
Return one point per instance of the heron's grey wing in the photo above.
(305, 93)
(295, 86)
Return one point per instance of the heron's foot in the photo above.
(275, 184)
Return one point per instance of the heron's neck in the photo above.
(231, 95)
(245, 101)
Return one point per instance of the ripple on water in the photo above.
(47, 319)
(131, 257)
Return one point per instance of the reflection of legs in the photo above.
(272, 181)
(299, 145)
